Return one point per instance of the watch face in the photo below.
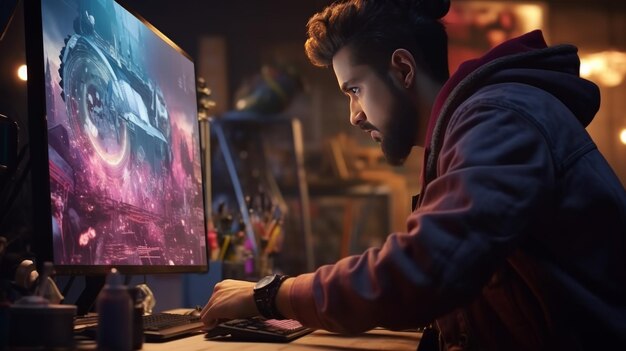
(264, 281)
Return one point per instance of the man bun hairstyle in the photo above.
(374, 29)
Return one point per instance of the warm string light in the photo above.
(21, 73)
(622, 136)
(607, 67)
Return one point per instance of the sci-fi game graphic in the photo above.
(123, 140)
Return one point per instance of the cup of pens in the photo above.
(249, 240)
(269, 240)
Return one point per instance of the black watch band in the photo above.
(265, 292)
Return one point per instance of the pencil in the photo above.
(273, 239)
(224, 247)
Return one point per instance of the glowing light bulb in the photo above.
(21, 73)
(622, 136)
(607, 67)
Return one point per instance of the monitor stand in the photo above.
(87, 300)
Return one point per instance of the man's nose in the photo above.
(357, 116)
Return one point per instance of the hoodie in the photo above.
(518, 241)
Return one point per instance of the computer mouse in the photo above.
(195, 312)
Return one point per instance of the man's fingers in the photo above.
(210, 324)
(207, 318)
(207, 314)
(205, 310)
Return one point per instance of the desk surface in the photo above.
(377, 339)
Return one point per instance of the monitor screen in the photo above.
(115, 142)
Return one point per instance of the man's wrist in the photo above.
(283, 299)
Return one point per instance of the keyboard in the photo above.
(163, 326)
(258, 329)
(156, 327)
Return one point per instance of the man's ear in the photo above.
(403, 67)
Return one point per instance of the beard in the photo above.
(399, 133)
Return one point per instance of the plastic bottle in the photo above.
(115, 311)
(137, 324)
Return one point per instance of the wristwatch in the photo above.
(265, 291)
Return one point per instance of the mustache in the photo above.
(367, 126)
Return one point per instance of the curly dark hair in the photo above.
(374, 29)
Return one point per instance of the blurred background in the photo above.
(337, 194)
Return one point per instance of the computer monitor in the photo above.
(115, 143)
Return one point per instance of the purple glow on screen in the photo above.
(123, 140)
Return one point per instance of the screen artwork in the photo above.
(124, 155)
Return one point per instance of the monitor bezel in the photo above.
(40, 171)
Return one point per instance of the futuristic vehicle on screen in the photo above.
(111, 106)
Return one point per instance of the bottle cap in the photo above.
(114, 280)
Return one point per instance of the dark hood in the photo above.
(525, 59)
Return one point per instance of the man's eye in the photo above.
(354, 91)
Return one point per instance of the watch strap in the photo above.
(265, 298)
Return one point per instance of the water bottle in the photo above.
(137, 324)
(115, 312)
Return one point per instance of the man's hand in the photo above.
(231, 299)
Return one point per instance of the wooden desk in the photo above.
(377, 339)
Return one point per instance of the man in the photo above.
(518, 238)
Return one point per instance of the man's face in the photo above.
(378, 106)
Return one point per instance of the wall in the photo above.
(258, 32)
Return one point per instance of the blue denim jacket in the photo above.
(528, 214)
(523, 213)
